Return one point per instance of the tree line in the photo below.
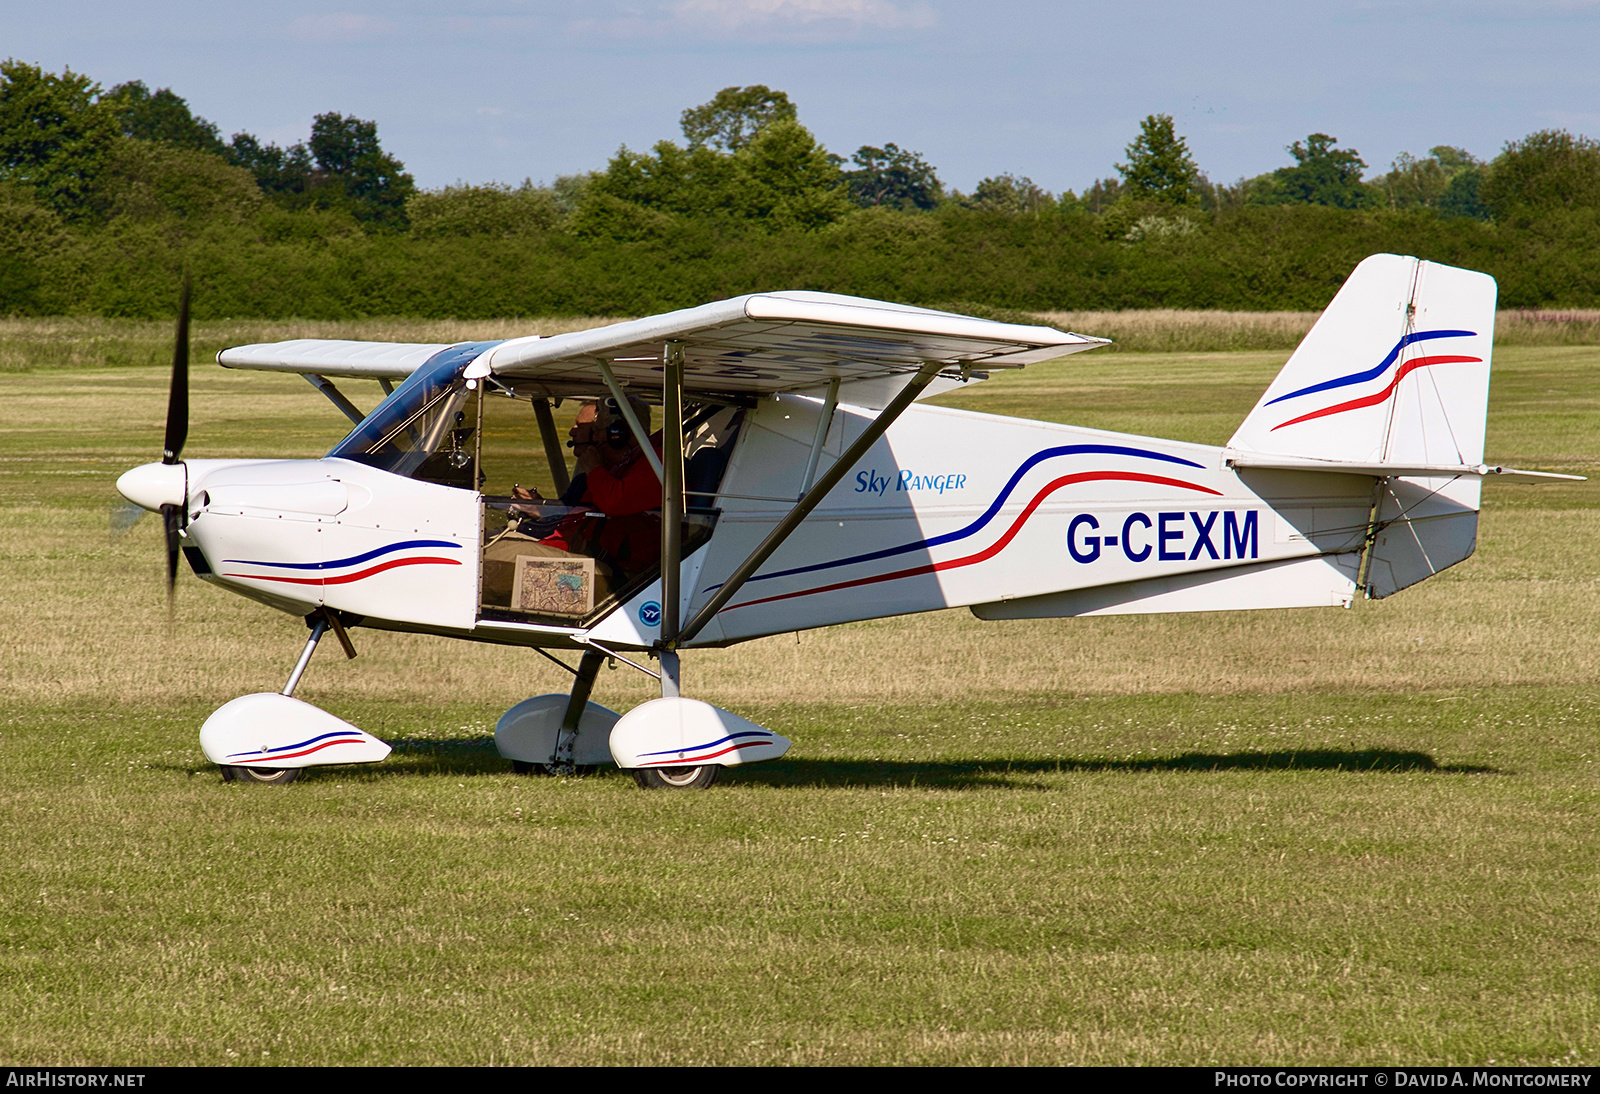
(107, 195)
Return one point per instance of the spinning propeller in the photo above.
(176, 517)
(163, 487)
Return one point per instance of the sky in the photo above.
(501, 90)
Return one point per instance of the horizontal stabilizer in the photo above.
(1245, 461)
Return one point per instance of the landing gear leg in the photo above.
(670, 675)
(588, 668)
(318, 629)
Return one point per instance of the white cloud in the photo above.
(339, 26)
(765, 20)
(628, 26)
(745, 16)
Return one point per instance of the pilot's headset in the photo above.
(618, 436)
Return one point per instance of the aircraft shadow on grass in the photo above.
(476, 756)
(1018, 773)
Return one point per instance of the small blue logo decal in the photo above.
(650, 613)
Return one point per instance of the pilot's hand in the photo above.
(523, 493)
(585, 437)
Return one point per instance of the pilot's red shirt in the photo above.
(629, 538)
(635, 490)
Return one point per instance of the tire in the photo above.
(676, 778)
(267, 776)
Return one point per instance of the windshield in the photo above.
(413, 422)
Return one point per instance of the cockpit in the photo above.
(570, 493)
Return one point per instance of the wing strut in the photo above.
(640, 433)
(671, 471)
(335, 396)
(824, 420)
(802, 508)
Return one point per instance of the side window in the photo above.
(513, 453)
(567, 560)
(432, 442)
(708, 437)
(424, 429)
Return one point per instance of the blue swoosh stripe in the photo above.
(301, 744)
(1374, 373)
(977, 526)
(353, 559)
(713, 744)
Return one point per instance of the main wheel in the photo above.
(271, 776)
(524, 767)
(676, 778)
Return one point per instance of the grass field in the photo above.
(28, 345)
(1363, 836)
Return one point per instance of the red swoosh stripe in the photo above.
(1373, 400)
(999, 544)
(709, 756)
(345, 579)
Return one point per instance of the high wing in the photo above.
(761, 343)
(787, 341)
(334, 357)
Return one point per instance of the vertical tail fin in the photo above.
(1395, 373)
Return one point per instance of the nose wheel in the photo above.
(271, 776)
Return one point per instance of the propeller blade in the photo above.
(123, 515)
(172, 517)
(178, 395)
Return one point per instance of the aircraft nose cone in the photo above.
(152, 485)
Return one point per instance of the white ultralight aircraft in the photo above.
(796, 482)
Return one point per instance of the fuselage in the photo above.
(950, 508)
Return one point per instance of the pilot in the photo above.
(613, 478)
(610, 473)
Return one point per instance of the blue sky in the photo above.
(486, 90)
